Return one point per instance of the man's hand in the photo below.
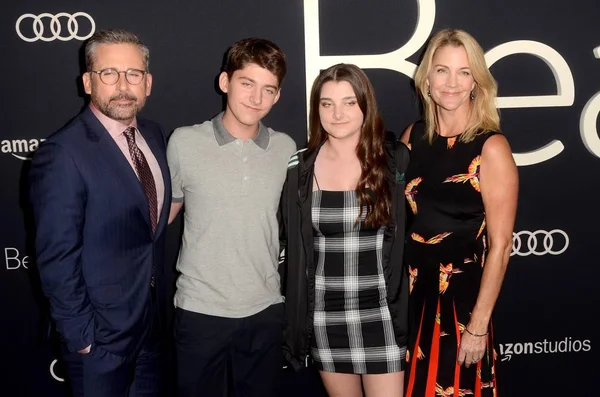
(84, 351)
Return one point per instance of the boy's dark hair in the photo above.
(261, 52)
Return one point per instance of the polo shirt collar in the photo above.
(224, 137)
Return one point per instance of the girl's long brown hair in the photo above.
(373, 191)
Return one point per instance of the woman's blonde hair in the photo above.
(484, 116)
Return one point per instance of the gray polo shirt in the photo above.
(230, 188)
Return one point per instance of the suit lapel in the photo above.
(113, 159)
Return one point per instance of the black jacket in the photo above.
(298, 268)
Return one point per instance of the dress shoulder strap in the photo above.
(417, 132)
(482, 138)
(316, 181)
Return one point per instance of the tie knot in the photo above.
(129, 134)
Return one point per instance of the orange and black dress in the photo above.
(445, 254)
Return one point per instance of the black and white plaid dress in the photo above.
(353, 330)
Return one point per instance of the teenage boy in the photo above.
(229, 173)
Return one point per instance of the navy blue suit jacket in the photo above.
(94, 242)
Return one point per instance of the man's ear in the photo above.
(224, 82)
(87, 82)
(277, 96)
(148, 84)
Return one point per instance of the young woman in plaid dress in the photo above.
(351, 221)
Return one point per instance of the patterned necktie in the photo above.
(144, 174)
(147, 180)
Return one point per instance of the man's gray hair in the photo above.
(114, 36)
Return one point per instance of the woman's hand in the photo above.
(472, 348)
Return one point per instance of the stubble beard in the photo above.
(116, 111)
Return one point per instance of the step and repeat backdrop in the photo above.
(544, 55)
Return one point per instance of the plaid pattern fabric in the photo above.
(353, 330)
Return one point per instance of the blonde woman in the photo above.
(462, 187)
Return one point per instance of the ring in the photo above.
(475, 360)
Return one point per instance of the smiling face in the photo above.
(120, 101)
(339, 111)
(450, 80)
(251, 93)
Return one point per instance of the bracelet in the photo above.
(478, 335)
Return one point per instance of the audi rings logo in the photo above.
(57, 30)
(539, 242)
(53, 371)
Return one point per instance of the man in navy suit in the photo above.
(100, 192)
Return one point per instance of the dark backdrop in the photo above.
(544, 55)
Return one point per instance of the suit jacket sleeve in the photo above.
(58, 197)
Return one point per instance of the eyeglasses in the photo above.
(110, 76)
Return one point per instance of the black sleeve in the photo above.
(282, 218)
